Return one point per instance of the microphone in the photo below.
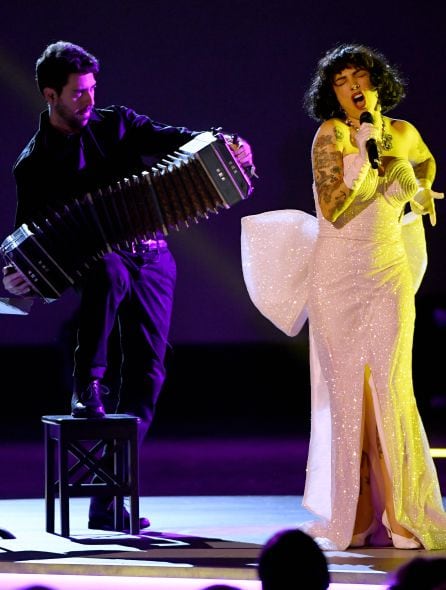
(371, 145)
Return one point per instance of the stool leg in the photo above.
(64, 496)
(133, 474)
(118, 466)
(49, 480)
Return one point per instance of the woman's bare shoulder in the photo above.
(402, 126)
(332, 131)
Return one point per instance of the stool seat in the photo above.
(91, 457)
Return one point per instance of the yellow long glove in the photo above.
(423, 203)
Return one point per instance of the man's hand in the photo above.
(15, 282)
(243, 153)
(424, 203)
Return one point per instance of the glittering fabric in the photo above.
(276, 247)
(360, 276)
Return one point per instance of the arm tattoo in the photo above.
(328, 172)
(338, 134)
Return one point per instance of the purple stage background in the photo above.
(242, 65)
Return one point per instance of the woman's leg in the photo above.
(375, 451)
(364, 512)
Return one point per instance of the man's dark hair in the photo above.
(61, 59)
(279, 562)
(320, 99)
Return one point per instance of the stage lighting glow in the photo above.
(438, 453)
(81, 582)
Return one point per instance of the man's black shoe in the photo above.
(87, 403)
(106, 521)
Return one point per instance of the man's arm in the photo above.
(155, 139)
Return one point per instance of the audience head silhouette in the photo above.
(421, 573)
(283, 558)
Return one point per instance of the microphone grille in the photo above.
(366, 117)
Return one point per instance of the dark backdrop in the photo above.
(242, 65)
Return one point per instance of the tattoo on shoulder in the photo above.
(338, 134)
(323, 141)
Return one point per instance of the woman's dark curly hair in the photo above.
(320, 100)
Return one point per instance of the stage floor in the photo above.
(213, 502)
(193, 539)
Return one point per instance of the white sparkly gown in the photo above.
(356, 278)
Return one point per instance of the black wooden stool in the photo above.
(75, 465)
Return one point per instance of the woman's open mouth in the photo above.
(359, 100)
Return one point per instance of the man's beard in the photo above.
(73, 121)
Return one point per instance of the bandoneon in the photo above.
(56, 249)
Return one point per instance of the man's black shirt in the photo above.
(116, 142)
